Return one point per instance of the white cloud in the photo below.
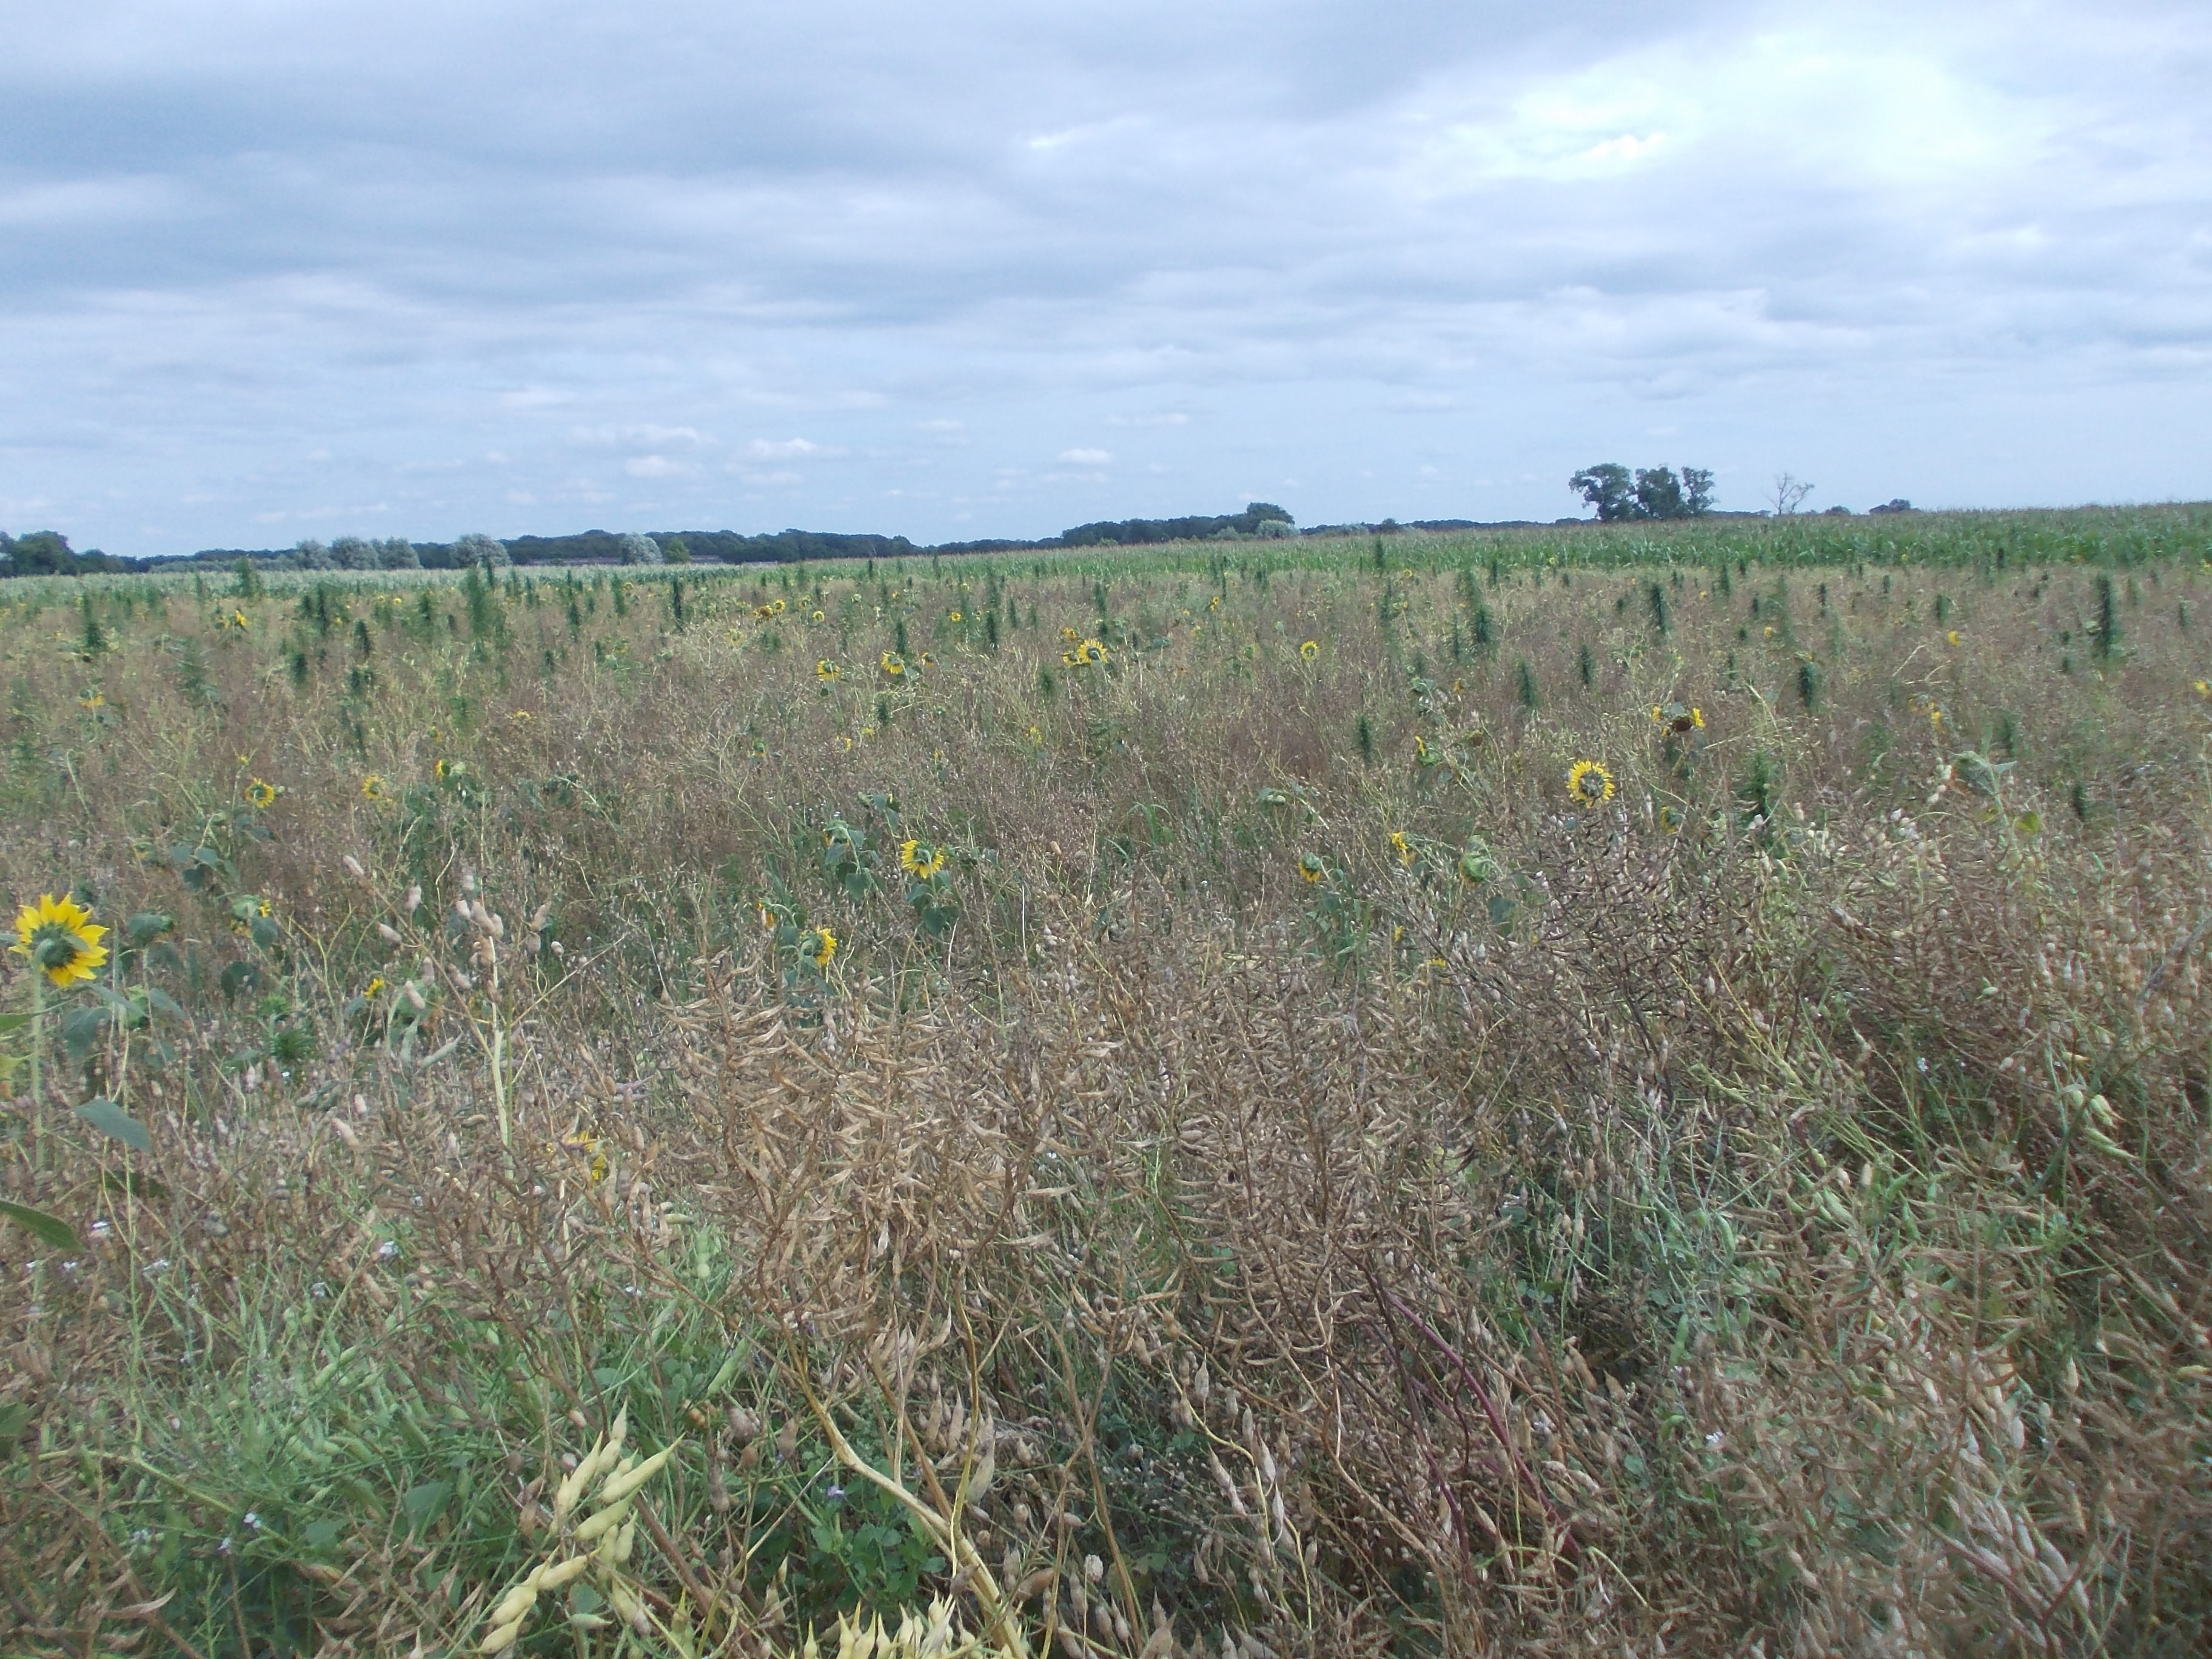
(1908, 249)
(787, 449)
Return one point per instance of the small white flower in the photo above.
(160, 1264)
(102, 1229)
(253, 1520)
(386, 1250)
(1713, 1441)
(318, 1290)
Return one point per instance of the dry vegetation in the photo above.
(1293, 1180)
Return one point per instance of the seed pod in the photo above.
(353, 868)
(624, 1483)
(605, 1519)
(390, 933)
(502, 1639)
(515, 1604)
(552, 1577)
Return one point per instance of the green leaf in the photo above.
(13, 1023)
(321, 1534)
(110, 1119)
(426, 1503)
(83, 1026)
(147, 926)
(14, 1418)
(51, 1229)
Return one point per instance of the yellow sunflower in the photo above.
(822, 948)
(919, 861)
(954, 616)
(371, 788)
(1070, 636)
(1311, 870)
(1089, 654)
(894, 664)
(259, 793)
(60, 937)
(815, 615)
(1590, 783)
(1403, 846)
(1310, 650)
(825, 671)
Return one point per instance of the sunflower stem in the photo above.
(38, 1092)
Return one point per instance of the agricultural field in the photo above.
(1601, 1092)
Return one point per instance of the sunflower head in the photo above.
(261, 794)
(1069, 635)
(1590, 783)
(1310, 650)
(1311, 870)
(920, 859)
(825, 671)
(1402, 847)
(893, 665)
(58, 937)
(778, 608)
(953, 617)
(1089, 654)
(371, 788)
(821, 948)
(815, 615)
(1677, 719)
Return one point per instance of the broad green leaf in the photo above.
(51, 1229)
(110, 1119)
(426, 1503)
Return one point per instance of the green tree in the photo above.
(1608, 488)
(1659, 493)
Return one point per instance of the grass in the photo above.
(1292, 1178)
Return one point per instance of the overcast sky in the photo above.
(272, 268)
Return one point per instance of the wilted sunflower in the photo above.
(825, 671)
(1678, 717)
(919, 861)
(261, 794)
(821, 948)
(1069, 635)
(1590, 783)
(1311, 868)
(1310, 650)
(1405, 849)
(60, 937)
(1670, 820)
(894, 664)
